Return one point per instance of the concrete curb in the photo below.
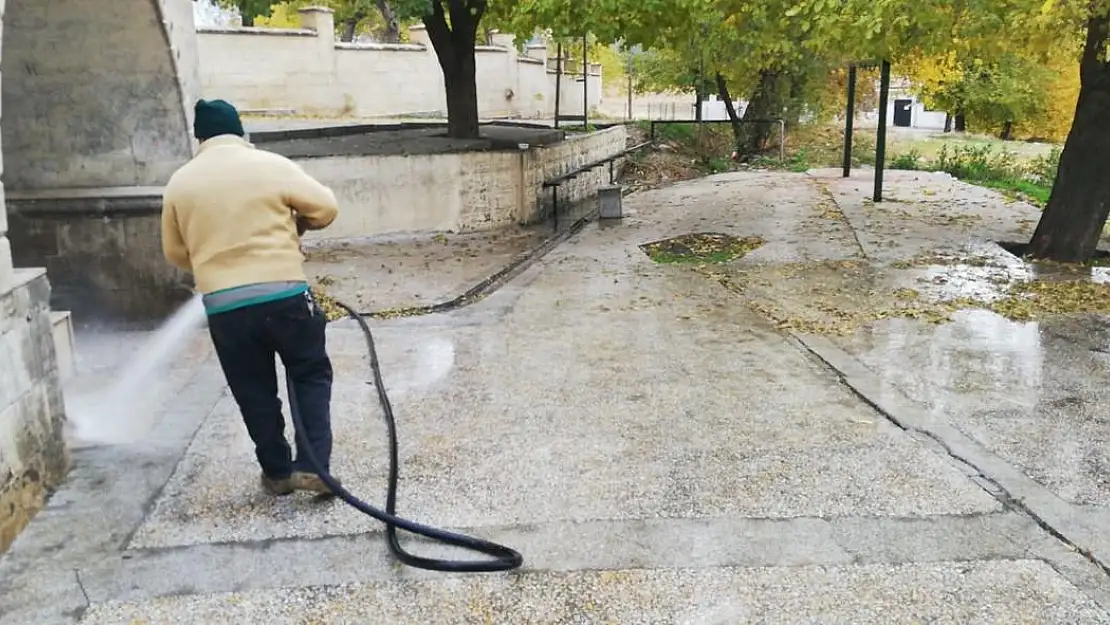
(489, 284)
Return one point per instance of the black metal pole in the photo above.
(555, 208)
(880, 142)
(558, 79)
(849, 120)
(629, 85)
(585, 81)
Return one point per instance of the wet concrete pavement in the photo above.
(654, 445)
(410, 270)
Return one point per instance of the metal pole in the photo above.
(782, 141)
(555, 207)
(558, 79)
(629, 85)
(880, 142)
(585, 81)
(849, 120)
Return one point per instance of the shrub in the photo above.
(908, 160)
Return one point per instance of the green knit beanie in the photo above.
(214, 118)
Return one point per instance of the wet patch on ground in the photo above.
(840, 297)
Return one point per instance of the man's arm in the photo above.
(173, 246)
(315, 203)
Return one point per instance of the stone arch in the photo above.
(93, 93)
(95, 116)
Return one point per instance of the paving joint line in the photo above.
(262, 544)
(84, 593)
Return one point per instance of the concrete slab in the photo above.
(654, 447)
(925, 212)
(400, 271)
(1033, 393)
(963, 593)
(529, 422)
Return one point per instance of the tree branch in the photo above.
(1092, 66)
(440, 35)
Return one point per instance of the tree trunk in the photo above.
(454, 46)
(348, 34)
(948, 122)
(392, 26)
(722, 92)
(766, 103)
(1007, 131)
(462, 99)
(961, 122)
(697, 104)
(1072, 222)
(246, 19)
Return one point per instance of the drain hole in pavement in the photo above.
(702, 247)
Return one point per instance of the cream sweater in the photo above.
(228, 215)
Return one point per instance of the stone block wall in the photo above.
(306, 71)
(459, 192)
(555, 160)
(102, 249)
(33, 456)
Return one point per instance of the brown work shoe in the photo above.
(277, 486)
(310, 482)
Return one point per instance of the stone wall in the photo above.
(306, 71)
(33, 456)
(102, 249)
(457, 192)
(563, 157)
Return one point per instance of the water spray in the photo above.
(117, 415)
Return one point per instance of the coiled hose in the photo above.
(501, 558)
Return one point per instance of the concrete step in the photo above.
(62, 324)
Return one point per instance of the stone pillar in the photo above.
(505, 40)
(537, 51)
(321, 20)
(6, 273)
(418, 33)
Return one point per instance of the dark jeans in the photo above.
(246, 341)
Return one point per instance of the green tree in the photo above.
(1070, 228)
(452, 26)
(1077, 210)
(375, 17)
(248, 9)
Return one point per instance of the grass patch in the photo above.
(1029, 180)
(700, 248)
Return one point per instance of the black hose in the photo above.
(503, 558)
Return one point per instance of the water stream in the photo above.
(115, 415)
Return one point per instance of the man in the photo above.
(233, 217)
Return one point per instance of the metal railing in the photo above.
(555, 182)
